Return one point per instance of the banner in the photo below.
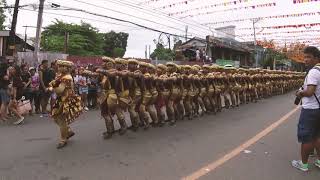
(266, 17)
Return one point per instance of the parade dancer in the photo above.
(68, 105)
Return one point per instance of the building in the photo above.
(19, 46)
(218, 50)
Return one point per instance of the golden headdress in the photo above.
(133, 61)
(172, 64)
(108, 59)
(65, 63)
(162, 67)
(121, 61)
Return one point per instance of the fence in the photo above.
(27, 57)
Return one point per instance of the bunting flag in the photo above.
(297, 39)
(304, 1)
(189, 14)
(186, 2)
(266, 17)
(266, 44)
(285, 32)
(151, 1)
(285, 26)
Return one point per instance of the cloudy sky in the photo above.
(155, 14)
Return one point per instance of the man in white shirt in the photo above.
(198, 55)
(309, 121)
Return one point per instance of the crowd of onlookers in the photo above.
(18, 82)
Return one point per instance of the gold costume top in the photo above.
(68, 104)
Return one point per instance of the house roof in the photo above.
(19, 40)
(216, 41)
(231, 44)
(188, 44)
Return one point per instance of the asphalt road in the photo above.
(28, 152)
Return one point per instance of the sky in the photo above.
(151, 14)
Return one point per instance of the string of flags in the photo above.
(304, 1)
(285, 26)
(285, 32)
(186, 2)
(266, 17)
(253, 7)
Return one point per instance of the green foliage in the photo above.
(272, 55)
(115, 44)
(162, 53)
(2, 14)
(118, 52)
(84, 40)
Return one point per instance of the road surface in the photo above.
(28, 152)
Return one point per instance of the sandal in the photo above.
(70, 134)
(61, 144)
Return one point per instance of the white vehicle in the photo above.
(228, 65)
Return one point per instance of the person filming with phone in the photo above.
(309, 121)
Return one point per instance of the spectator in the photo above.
(309, 125)
(197, 55)
(26, 80)
(92, 89)
(46, 76)
(4, 96)
(53, 70)
(82, 83)
(35, 93)
(92, 92)
(16, 92)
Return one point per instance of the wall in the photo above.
(27, 57)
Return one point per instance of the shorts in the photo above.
(53, 95)
(309, 125)
(83, 90)
(4, 96)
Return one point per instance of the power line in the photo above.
(127, 15)
(12, 7)
(126, 21)
(196, 24)
(78, 17)
(153, 13)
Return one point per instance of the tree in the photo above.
(83, 39)
(272, 55)
(162, 53)
(2, 14)
(118, 52)
(115, 44)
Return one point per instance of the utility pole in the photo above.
(149, 51)
(12, 40)
(66, 41)
(38, 33)
(186, 36)
(146, 52)
(254, 21)
(169, 40)
(25, 39)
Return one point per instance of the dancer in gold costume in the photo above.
(68, 105)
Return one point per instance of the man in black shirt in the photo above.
(26, 80)
(46, 76)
